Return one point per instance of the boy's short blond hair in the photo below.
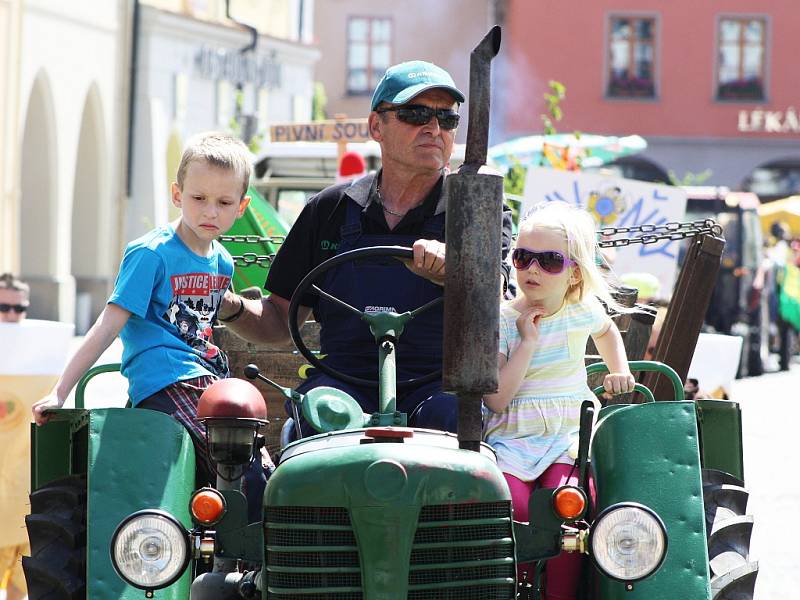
(220, 150)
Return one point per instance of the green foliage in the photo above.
(318, 103)
(513, 186)
(514, 181)
(553, 100)
(689, 178)
(235, 125)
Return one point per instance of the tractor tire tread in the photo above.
(56, 569)
(46, 584)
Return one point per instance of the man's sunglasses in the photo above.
(17, 308)
(550, 261)
(417, 114)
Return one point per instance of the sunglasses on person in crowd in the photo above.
(417, 114)
(17, 308)
(550, 261)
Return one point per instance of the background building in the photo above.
(99, 97)
(709, 85)
(196, 70)
(360, 38)
(60, 160)
(10, 26)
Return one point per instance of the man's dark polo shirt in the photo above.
(316, 234)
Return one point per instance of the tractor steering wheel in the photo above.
(308, 283)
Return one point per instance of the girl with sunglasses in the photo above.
(532, 421)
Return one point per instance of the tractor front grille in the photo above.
(311, 554)
(463, 551)
(460, 551)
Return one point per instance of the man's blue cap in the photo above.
(402, 82)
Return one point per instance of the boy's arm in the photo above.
(609, 344)
(97, 340)
(264, 321)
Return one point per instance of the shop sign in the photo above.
(231, 65)
(346, 130)
(769, 121)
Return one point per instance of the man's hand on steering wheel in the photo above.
(429, 255)
(428, 261)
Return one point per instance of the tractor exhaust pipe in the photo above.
(480, 77)
(474, 200)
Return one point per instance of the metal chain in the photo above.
(251, 258)
(252, 239)
(652, 233)
(655, 233)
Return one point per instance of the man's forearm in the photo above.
(261, 321)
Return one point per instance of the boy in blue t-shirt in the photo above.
(168, 291)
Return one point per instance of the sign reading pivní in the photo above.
(342, 131)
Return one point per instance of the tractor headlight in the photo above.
(150, 549)
(628, 541)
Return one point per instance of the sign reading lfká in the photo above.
(617, 202)
(347, 130)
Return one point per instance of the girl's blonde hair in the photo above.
(578, 228)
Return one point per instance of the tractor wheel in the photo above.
(56, 569)
(733, 574)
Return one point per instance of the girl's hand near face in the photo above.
(528, 323)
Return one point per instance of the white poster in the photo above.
(34, 354)
(618, 202)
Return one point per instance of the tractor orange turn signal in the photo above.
(207, 506)
(569, 502)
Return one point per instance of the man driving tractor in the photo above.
(414, 116)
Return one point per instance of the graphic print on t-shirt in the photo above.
(195, 300)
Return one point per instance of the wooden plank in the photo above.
(686, 312)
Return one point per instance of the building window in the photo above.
(740, 72)
(369, 42)
(631, 57)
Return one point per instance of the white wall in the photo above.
(10, 15)
(69, 77)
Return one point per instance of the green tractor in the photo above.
(372, 509)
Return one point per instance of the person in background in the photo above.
(414, 116)
(14, 299)
(14, 302)
(168, 359)
(532, 421)
(778, 256)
